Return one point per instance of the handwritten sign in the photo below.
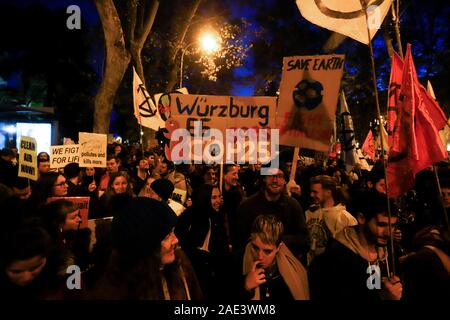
(222, 112)
(60, 156)
(179, 195)
(28, 158)
(83, 205)
(308, 97)
(92, 149)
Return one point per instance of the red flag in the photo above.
(416, 144)
(369, 146)
(394, 94)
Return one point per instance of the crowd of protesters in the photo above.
(242, 236)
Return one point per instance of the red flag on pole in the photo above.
(369, 145)
(416, 144)
(394, 94)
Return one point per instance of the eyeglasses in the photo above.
(279, 176)
(60, 184)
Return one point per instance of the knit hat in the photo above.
(163, 188)
(273, 171)
(139, 227)
(72, 170)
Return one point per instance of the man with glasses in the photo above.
(273, 199)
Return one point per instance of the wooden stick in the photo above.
(294, 164)
(374, 78)
(221, 177)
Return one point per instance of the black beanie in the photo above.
(72, 170)
(139, 228)
(163, 188)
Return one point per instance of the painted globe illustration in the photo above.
(308, 94)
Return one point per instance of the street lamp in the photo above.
(209, 43)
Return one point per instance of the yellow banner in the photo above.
(28, 167)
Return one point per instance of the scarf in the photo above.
(291, 270)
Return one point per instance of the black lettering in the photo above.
(186, 109)
(204, 114)
(27, 169)
(27, 157)
(212, 108)
(291, 65)
(300, 64)
(223, 111)
(233, 107)
(263, 113)
(246, 114)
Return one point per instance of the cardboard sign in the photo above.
(28, 167)
(83, 205)
(179, 195)
(92, 148)
(308, 98)
(222, 112)
(240, 129)
(60, 156)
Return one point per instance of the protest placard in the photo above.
(92, 148)
(308, 98)
(179, 195)
(28, 167)
(222, 112)
(60, 156)
(223, 129)
(83, 205)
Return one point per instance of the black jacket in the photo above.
(287, 209)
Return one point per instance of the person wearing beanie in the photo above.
(145, 263)
(162, 188)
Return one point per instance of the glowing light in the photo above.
(209, 42)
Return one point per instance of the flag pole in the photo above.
(374, 78)
(396, 19)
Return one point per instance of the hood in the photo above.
(349, 238)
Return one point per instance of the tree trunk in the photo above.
(138, 37)
(117, 60)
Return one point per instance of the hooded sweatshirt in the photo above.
(323, 224)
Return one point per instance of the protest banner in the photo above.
(241, 123)
(308, 97)
(28, 167)
(346, 17)
(222, 112)
(92, 147)
(145, 110)
(83, 205)
(60, 156)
